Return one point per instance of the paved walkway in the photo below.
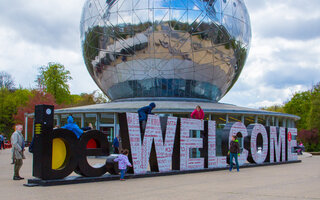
(292, 181)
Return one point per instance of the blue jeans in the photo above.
(122, 173)
(235, 156)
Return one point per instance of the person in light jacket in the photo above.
(17, 141)
(123, 162)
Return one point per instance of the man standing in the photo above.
(17, 141)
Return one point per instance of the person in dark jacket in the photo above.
(73, 127)
(145, 111)
(143, 115)
(1, 142)
(115, 144)
(87, 128)
(234, 152)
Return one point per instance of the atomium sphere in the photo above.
(162, 49)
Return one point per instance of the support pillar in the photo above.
(256, 119)
(273, 121)
(284, 124)
(59, 120)
(83, 116)
(115, 125)
(98, 118)
(242, 119)
(293, 124)
(268, 121)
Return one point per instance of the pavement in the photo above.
(289, 181)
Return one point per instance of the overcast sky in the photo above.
(284, 55)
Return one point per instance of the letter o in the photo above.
(251, 143)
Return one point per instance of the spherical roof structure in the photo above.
(182, 49)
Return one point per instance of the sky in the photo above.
(284, 57)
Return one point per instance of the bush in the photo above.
(312, 147)
(310, 139)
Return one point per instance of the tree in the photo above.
(82, 99)
(300, 105)
(274, 108)
(6, 81)
(54, 80)
(314, 114)
(10, 100)
(35, 98)
(100, 97)
(310, 139)
(87, 99)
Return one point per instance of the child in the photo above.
(123, 162)
(234, 152)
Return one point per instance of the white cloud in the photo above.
(34, 33)
(284, 53)
(284, 56)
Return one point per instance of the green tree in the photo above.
(54, 78)
(314, 114)
(300, 105)
(36, 97)
(10, 101)
(274, 108)
(87, 99)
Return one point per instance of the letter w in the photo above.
(153, 133)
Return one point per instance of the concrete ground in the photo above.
(291, 181)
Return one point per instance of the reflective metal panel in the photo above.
(165, 48)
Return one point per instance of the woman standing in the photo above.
(197, 113)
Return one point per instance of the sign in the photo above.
(164, 146)
(289, 136)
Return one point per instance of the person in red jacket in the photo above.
(197, 113)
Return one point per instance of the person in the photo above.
(123, 162)
(143, 115)
(197, 113)
(31, 146)
(234, 152)
(18, 148)
(115, 144)
(88, 128)
(73, 127)
(300, 148)
(1, 142)
(12, 150)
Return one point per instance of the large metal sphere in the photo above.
(165, 48)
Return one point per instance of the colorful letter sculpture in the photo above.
(165, 146)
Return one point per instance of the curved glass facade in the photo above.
(165, 48)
